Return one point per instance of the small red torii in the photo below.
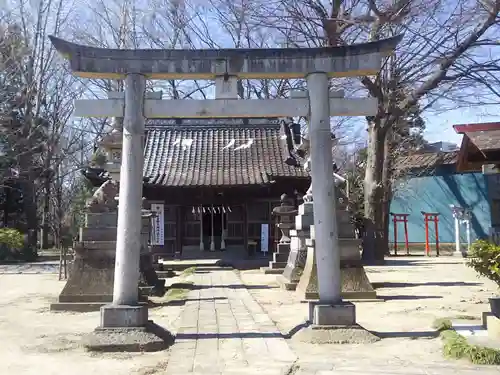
(400, 218)
(432, 217)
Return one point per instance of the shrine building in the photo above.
(213, 182)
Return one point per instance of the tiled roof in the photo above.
(425, 160)
(220, 153)
(487, 140)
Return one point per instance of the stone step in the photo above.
(283, 248)
(165, 274)
(104, 246)
(299, 233)
(280, 257)
(77, 306)
(345, 230)
(306, 208)
(103, 219)
(343, 217)
(97, 245)
(277, 265)
(297, 243)
(98, 234)
(107, 219)
(105, 234)
(303, 222)
(270, 271)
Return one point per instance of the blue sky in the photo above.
(439, 127)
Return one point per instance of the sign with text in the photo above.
(264, 238)
(158, 225)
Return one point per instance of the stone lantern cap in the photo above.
(286, 207)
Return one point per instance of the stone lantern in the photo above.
(111, 144)
(285, 213)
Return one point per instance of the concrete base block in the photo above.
(492, 325)
(272, 271)
(165, 274)
(354, 334)
(341, 314)
(277, 265)
(77, 306)
(306, 208)
(90, 279)
(119, 316)
(355, 283)
(149, 338)
(285, 284)
(460, 254)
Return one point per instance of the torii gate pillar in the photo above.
(323, 191)
(128, 245)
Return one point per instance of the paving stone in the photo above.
(221, 332)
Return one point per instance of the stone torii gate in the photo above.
(225, 66)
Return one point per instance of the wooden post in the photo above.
(202, 244)
(431, 217)
(400, 218)
(427, 247)
(395, 220)
(406, 236)
(180, 215)
(436, 230)
(212, 239)
(222, 240)
(245, 228)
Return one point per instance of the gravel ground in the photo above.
(417, 291)
(37, 341)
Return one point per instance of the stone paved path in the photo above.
(323, 368)
(29, 268)
(223, 330)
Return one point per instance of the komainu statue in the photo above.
(103, 199)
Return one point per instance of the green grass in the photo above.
(178, 291)
(176, 294)
(188, 271)
(442, 324)
(466, 317)
(456, 346)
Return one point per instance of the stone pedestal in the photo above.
(354, 281)
(123, 316)
(298, 250)
(334, 324)
(285, 213)
(341, 314)
(492, 325)
(280, 258)
(90, 282)
(296, 260)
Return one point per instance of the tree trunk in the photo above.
(375, 242)
(30, 210)
(59, 209)
(6, 191)
(46, 210)
(387, 189)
